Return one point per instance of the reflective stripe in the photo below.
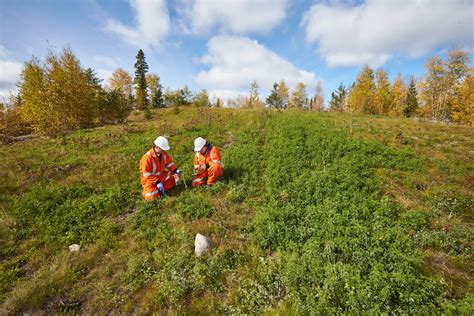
(153, 172)
(168, 176)
(199, 179)
(218, 162)
(170, 165)
(152, 193)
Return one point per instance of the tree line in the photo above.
(60, 95)
(444, 93)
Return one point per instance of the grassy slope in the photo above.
(374, 214)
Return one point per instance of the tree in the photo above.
(254, 98)
(338, 99)
(439, 88)
(59, 96)
(318, 103)
(383, 94)
(141, 68)
(218, 103)
(361, 95)
(122, 81)
(201, 99)
(463, 104)
(411, 100)
(399, 93)
(156, 91)
(274, 99)
(186, 95)
(299, 97)
(283, 93)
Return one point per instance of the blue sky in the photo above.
(222, 46)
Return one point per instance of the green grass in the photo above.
(315, 213)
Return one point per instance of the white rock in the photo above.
(202, 244)
(74, 247)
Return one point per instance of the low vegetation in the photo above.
(316, 213)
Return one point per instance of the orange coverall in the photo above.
(207, 166)
(152, 169)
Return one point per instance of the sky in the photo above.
(222, 46)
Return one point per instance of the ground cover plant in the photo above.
(316, 213)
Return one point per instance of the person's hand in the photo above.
(160, 187)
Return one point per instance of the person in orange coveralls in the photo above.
(207, 163)
(158, 173)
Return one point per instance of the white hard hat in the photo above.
(199, 143)
(162, 142)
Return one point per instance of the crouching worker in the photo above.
(207, 163)
(158, 173)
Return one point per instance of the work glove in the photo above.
(178, 172)
(160, 187)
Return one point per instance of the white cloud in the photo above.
(105, 61)
(376, 30)
(152, 24)
(10, 71)
(237, 16)
(236, 61)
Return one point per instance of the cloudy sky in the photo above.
(223, 45)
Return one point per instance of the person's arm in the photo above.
(215, 157)
(169, 164)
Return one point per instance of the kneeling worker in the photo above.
(207, 163)
(154, 178)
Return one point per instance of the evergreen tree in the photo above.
(141, 68)
(411, 101)
(338, 99)
(274, 99)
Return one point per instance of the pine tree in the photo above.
(411, 101)
(274, 99)
(141, 68)
(338, 99)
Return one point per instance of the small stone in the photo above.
(202, 244)
(74, 248)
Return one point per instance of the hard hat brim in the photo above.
(163, 147)
(198, 148)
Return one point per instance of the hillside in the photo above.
(316, 213)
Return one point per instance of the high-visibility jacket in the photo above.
(210, 158)
(155, 168)
(208, 166)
